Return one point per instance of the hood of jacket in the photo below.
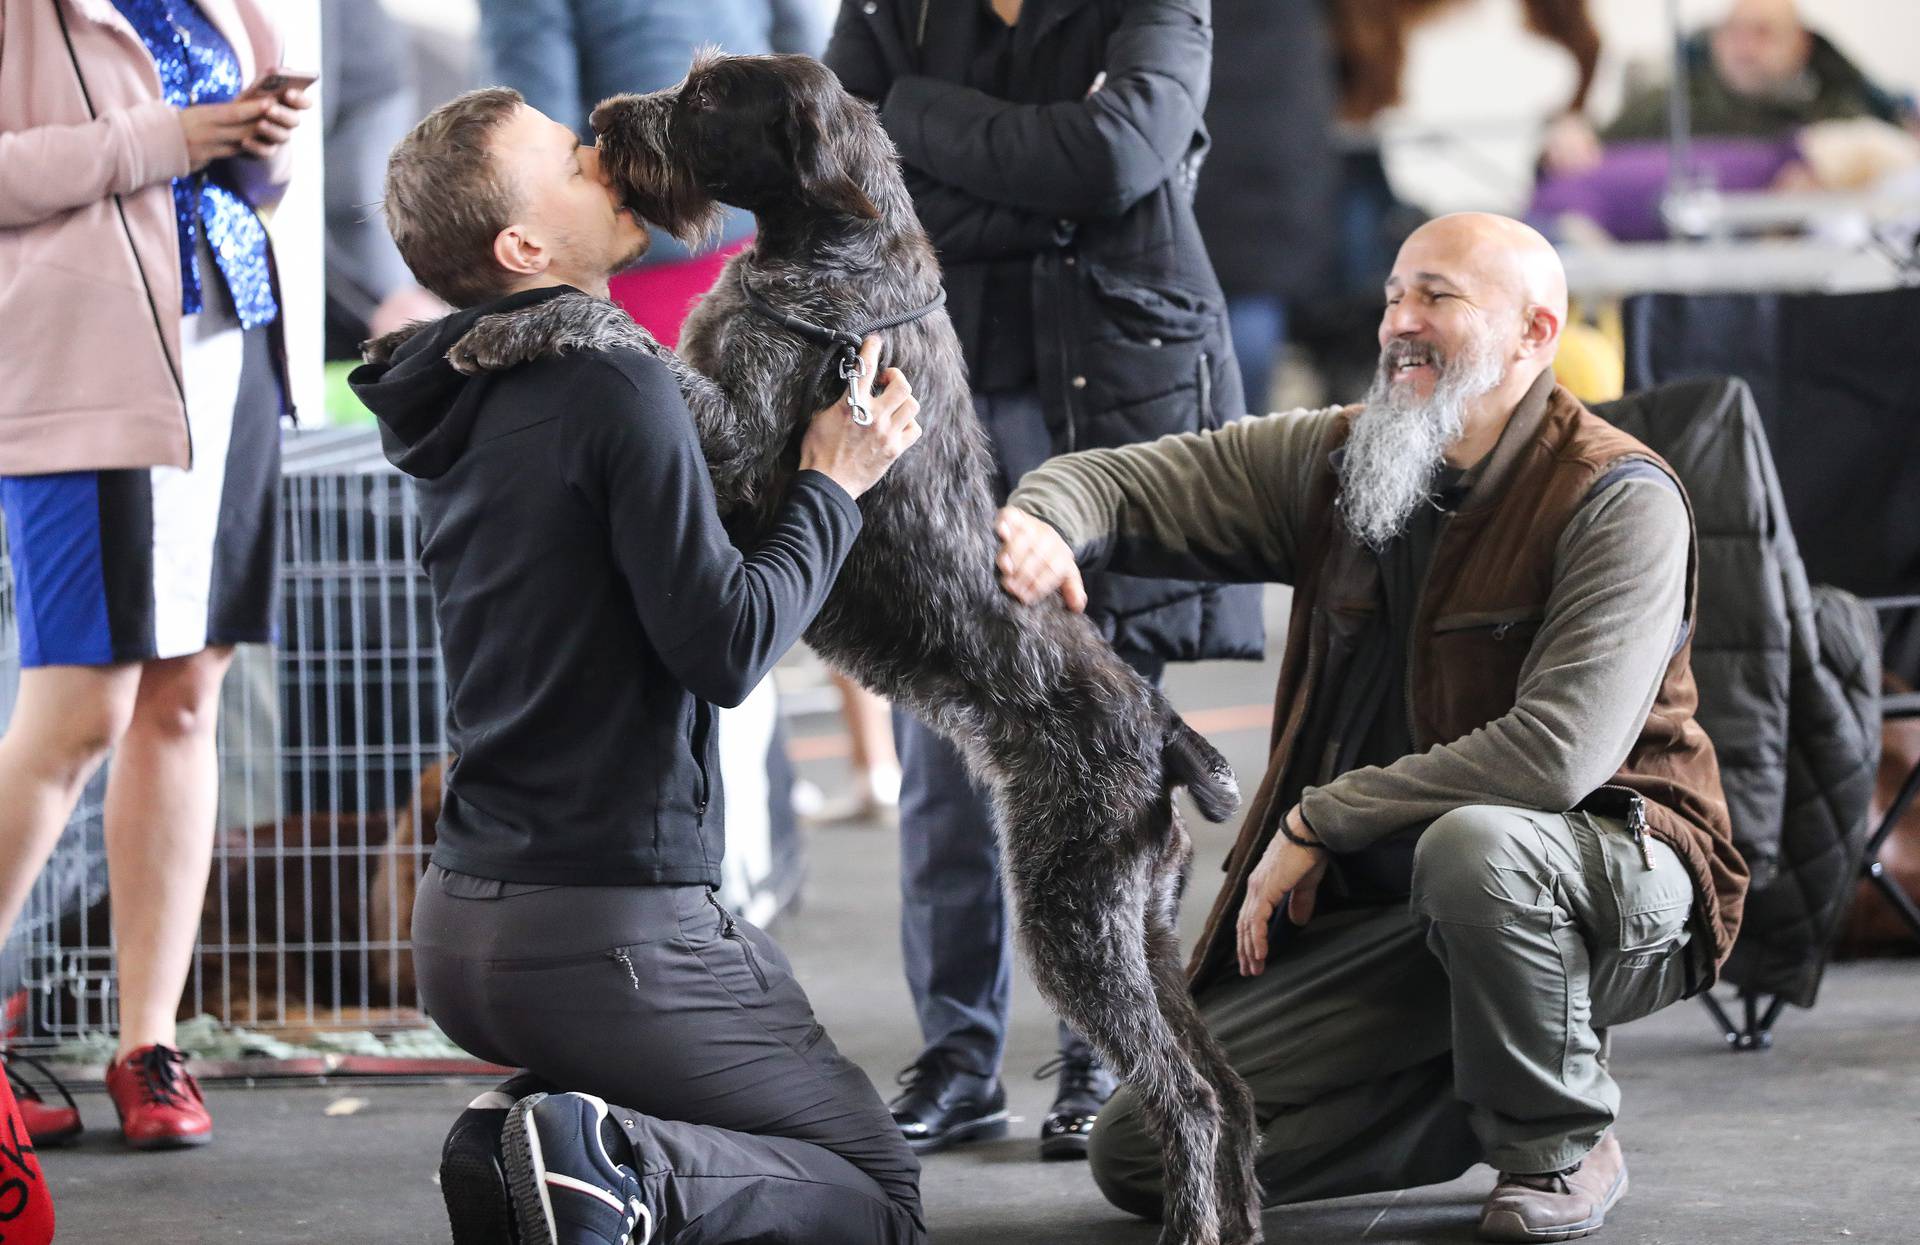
(426, 407)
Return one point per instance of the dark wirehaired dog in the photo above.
(1080, 753)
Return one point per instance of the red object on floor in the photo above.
(659, 296)
(158, 1100)
(48, 1124)
(26, 1204)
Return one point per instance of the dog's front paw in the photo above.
(489, 346)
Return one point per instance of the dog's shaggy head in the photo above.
(770, 134)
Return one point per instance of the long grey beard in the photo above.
(1398, 442)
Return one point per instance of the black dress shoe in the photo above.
(1085, 1086)
(473, 1177)
(944, 1104)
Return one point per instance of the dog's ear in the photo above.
(820, 164)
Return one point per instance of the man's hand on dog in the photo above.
(856, 456)
(1286, 871)
(1035, 561)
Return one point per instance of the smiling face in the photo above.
(1440, 310)
(568, 225)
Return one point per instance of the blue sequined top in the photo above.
(198, 66)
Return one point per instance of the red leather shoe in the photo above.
(26, 1205)
(158, 1100)
(46, 1124)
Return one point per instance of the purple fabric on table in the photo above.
(1622, 193)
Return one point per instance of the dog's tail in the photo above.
(1197, 765)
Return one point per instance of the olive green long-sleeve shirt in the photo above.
(1232, 504)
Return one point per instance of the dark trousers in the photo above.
(746, 1123)
(954, 924)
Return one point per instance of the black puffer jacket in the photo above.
(1788, 678)
(1098, 190)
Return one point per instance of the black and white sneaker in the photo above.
(473, 1172)
(567, 1190)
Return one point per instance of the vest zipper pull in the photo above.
(1637, 823)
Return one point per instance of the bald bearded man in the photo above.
(1490, 826)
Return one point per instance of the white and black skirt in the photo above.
(133, 565)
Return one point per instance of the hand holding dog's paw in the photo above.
(1035, 561)
(856, 456)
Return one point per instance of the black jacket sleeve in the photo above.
(962, 227)
(1081, 158)
(719, 618)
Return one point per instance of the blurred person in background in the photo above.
(367, 104)
(141, 499)
(1264, 192)
(1051, 149)
(1758, 73)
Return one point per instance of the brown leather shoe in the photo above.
(1557, 1206)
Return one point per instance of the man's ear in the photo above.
(519, 252)
(1541, 333)
(822, 173)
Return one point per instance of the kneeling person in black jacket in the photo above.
(592, 611)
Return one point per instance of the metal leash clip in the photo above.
(850, 372)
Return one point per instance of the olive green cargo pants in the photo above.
(1397, 1046)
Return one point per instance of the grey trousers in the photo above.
(1390, 1047)
(746, 1123)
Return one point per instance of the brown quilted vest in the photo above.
(1484, 597)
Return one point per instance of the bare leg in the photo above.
(65, 720)
(876, 768)
(161, 795)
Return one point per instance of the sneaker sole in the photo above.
(65, 1137)
(527, 1174)
(988, 1128)
(181, 1142)
(479, 1210)
(1507, 1227)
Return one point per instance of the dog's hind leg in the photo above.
(1090, 961)
(1237, 1186)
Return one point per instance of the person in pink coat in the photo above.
(139, 463)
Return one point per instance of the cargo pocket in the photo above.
(1645, 968)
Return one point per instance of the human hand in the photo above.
(856, 456)
(1035, 561)
(1286, 870)
(1571, 145)
(279, 122)
(216, 131)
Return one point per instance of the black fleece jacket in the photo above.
(591, 607)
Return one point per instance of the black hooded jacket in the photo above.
(592, 609)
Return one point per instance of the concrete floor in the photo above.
(1817, 1140)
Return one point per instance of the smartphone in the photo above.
(277, 80)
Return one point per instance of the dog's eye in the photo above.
(702, 100)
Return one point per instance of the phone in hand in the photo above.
(276, 80)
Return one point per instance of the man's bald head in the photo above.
(1492, 252)
(1476, 282)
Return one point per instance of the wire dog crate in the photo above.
(330, 745)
